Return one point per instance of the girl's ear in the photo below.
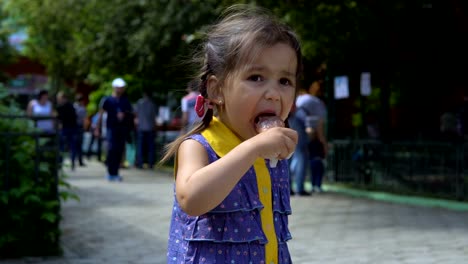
(212, 87)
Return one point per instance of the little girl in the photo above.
(231, 205)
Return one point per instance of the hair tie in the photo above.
(202, 105)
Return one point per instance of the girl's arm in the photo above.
(201, 186)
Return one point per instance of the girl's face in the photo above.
(266, 86)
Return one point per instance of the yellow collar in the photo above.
(220, 137)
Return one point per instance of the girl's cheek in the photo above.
(290, 96)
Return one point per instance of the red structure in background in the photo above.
(24, 65)
(27, 77)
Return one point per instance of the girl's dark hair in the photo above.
(235, 41)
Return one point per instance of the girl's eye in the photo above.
(255, 78)
(285, 81)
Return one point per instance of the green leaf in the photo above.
(52, 205)
(49, 217)
(4, 198)
(357, 120)
(44, 167)
(67, 195)
(32, 198)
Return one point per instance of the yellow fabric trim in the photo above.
(264, 193)
(223, 140)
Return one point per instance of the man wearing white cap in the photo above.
(119, 117)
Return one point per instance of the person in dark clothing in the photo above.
(80, 120)
(145, 121)
(95, 139)
(310, 115)
(298, 162)
(119, 122)
(67, 117)
(315, 128)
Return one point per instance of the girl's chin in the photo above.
(248, 135)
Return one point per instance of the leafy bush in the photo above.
(29, 197)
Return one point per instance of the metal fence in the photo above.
(29, 179)
(429, 168)
(44, 143)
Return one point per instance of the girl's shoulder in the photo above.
(202, 140)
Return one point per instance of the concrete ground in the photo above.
(128, 222)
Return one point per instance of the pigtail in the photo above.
(171, 149)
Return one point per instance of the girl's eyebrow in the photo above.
(288, 74)
(261, 68)
(254, 68)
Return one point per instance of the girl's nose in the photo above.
(273, 92)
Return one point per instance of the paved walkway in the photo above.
(128, 223)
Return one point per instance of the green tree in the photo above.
(48, 30)
(7, 52)
(146, 41)
(96, 40)
(147, 44)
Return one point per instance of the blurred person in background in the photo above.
(145, 122)
(81, 115)
(119, 115)
(315, 128)
(41, 107)
(67, 117)
(97, 138)
(187, 103)
(309, 119)
(299, 160)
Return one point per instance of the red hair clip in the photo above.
(202, 105)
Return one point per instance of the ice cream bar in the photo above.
(266, 122)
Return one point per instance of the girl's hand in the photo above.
(276, 142)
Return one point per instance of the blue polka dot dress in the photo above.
(232, 232)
